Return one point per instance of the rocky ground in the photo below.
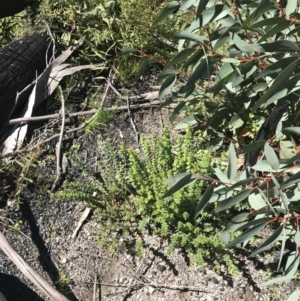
(40, 229)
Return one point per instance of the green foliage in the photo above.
(17, 173)
(102, 117)
(108, 26)
(130, 196)
(256, 70)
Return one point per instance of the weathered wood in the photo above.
(28, 272)
(20, 63)
(11, 7)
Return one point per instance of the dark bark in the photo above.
(11, 7)
(20, 63)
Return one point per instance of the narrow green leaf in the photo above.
(294, 179)
(282, 25)
(256, 201)
(271, 156)
(186, 4)
(194, 58)
(278, 84)
(246, 235)
(209, 15)
(237, 222)
(201, 7)
(277, 67)
(202, 69)
(233, 201)
(244, 182)
(143, 68)
(165, 88)
(272, 239)
(125, 51)
(179, 57)
(231, 60)
(277, 46)
(290, 7)
(283, 241)
(221, 175)
(258, 221)
(297, 237)
(264, 165)
(291, 265)
(168, 10)
(225, 236)
(177, 111)
(264, 6)
(267, 22)
(277, 280)
(253, 146)
(186, 35)
(266, 199)
(296, 294)
(173, 180)
(291, 130)
(188, 179)
(186, 122)
(232, 164)
(204, 200)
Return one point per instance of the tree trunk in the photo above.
(11, 7)
(20, 63)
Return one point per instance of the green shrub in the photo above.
(130, 195)
(244, 67)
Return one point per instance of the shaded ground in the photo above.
(40, 230)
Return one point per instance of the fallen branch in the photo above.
(30, 273)
(132, 122)
(59, 143)
(91, 112)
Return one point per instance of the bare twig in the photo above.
(131, 120)
(84, 216)
(91, 112)
(31, 274)
(156, 285)
(110, 85)
(59, 143)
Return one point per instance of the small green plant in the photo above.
(130, 193)
(63, 281)
(100, 119)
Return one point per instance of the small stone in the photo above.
(151, 290)
(161, 267)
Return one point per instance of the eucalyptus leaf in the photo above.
(201, 7)
(246, 235)
(204, 200)
(237, 222)
(232, 163)
(186, 180)
(271, 156)
(294, 179)
(278, 85)
(142, 69)
(165, 88)
(233, 201)
(168, 10)
(291, 130)
(272, 239)
(185, 4)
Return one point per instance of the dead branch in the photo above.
(132, 122)
(59, 143)
(30, 273)
(90, 112)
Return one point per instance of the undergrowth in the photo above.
(128, 192)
